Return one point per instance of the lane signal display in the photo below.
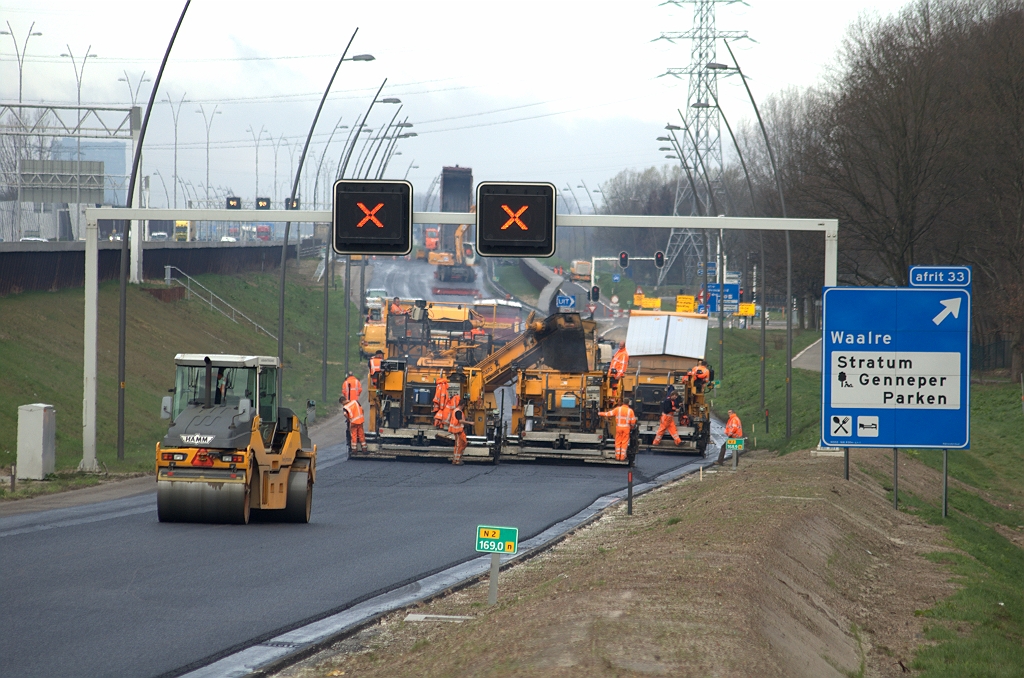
(234, 203)
(515, 220)
(263, 203)
(372, 217)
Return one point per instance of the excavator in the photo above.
(230, 449)
(453, 256)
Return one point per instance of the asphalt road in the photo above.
(107, 590)
(411, 279)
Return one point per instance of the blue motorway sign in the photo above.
(941, 276)
(565, 301)
(895, 367)
(732, 297)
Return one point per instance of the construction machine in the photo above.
(580, 270)
(663, 348)
(452, 255)
(230, 448)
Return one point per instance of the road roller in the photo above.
(230, 448)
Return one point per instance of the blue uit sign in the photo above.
(565, 301)
(895, 367)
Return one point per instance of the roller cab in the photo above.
(230, 449)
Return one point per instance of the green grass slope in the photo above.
(41, 355)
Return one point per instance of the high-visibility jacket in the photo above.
(624, 416)
(450, 405)
(351, 389)
(733, 427)
(701, 372)
(440, 393)
(354, 412)
(620, 361)
(455, 425)
(375, 365)
(396, 309)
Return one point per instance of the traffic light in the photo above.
(291, 203)
(623, 260)
(595, 294)
(659, 259)
(263, 203)
(515, 220)
(234, 203)
(372, 217)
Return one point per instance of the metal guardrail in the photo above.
(216, 303)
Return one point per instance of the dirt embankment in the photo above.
(781, 569)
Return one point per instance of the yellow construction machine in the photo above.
(230, 449)
(663, 348)
(453, 257)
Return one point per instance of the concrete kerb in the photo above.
(274, 654)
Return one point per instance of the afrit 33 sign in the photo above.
(895, 367)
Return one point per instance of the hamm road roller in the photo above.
(230, 448)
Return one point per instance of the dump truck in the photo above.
(453, 255)
(580, 270)
(230, 448)
(663, 347)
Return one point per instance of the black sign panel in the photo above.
(263, 203)
(372, 217)
(515, 220)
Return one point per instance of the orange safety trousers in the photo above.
(621, 442)
(460, 444)
(358, 434)
(668, 423)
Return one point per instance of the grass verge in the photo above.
(41, 351)
(740, 389)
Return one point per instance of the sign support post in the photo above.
(492, 594)
(896, 478)
(846, 463)
(945, 482)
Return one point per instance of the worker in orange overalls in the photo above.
(700, 375)
(354, 413)
(625, 420)
(618, 366)
(668, 417)
(733, 429)
(444, 416)
(376, 366)
(396, 308)
(457, 428)
(351, 389)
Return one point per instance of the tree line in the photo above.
(914, 141)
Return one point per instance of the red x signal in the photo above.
(370, 215)
(514, 217)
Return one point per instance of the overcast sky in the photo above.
(556, 90)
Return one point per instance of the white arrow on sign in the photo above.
(951, 306)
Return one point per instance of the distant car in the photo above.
(31, 239)
(115, 236)
(159, 236)
(228, 238)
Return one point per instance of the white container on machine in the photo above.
(37, 428)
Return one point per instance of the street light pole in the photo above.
(789, 251)
(20, 54)
(257, 138)
(590, 195)
(208, 123)
(394, 145)
(79, 73)
(288, 224)
(174, 115)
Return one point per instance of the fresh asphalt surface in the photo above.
(107, 590)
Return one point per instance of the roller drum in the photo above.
(299, 503)
(202, 502)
